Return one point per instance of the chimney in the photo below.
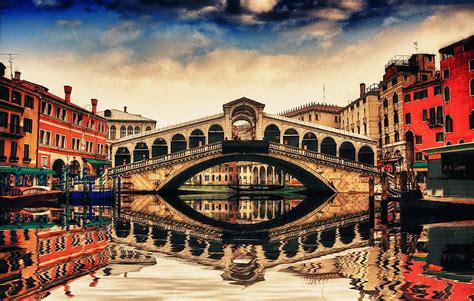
(2, 69)
(67, 93)
(125, 109)
(17, 75)
(94, 105)
(362, 89)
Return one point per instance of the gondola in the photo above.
(255, 187)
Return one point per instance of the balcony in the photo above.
(3, 158)
(435, 124)
(13, 159)
(27, 160)
(17, 132)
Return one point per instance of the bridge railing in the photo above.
(323, 157)
(169, 157)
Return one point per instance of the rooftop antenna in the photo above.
(10, 61)
(415, 44)
(324, 93)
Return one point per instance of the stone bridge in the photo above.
(320, 157)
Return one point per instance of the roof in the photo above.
(124, 116)
(243, 100)
(467, 42)
(431, 82)
(312, 106)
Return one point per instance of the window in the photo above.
(123, 131)
(2, 150)
(385, 120)
(424, 77)
(130, 130)
(60, 141)
(90, 124)
(439, 115)
(14, 124)
(76, 118)
(437, 90)
(408, 118)
(61, 113)
(447, 94)
(387, 139)
(421, 94)
(16, 98)
(28, 125)
(76, 143)
(148, 128)
(113, 132)
(395, 117)
(309, 117)
(432, 116)
(407, 97)
(14, 151)
(425, 115)
(394, 81)
(89, 146)
(395, 98)
(418, 139)
(439, 137)
(385, 102)
(4, 93)
(365, 128)
(397, 136)
(449, 124)
(419, 156)
(46, 108)
(29, 102)
(100, 149)
(3, 119)
(26, 152)
(44, 161)
(471, 65)
(137, 130)
(471, 87)
(45, 137)
(445, 73)
(471, 120)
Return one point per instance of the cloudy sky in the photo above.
(173, 60)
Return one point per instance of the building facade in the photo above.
(323, 114)
(18, 134)
(361, 115)
(457, 71)
(394, 152)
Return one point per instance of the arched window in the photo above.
(215, 134)
(395, 98)
(447, 94)
(310, 142)
(159, 148)
(123, 131)
(347, 151)
(328, 146)
(291, 137)
(178, 143)
(471, 86)
(130, 130)
(197, 138)
(272, 133)
(385, 102)
(113, 132)
(137, 130)
(148, 128)
(141, 152)
(471, 120)
(449, 124)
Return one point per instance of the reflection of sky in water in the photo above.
(175, 279)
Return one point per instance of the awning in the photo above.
(420, 165)
(98, 162)
(25, 170)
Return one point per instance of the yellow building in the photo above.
(323, 114)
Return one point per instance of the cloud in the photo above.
(124, 32)
(68, 23)
(258, 6)
(53, 4)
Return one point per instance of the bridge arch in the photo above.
(215, 133)
(366, 155)
(310, 142)
(197, 138)
(347, 151)
(328, 146)
(291, 137)
(272, 133)
(310, 178)
(178, 143)
(159, 148)
(140, 152)
(122, 156)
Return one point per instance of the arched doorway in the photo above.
(366, 155)
(215, 134)
(272, 133)
(58, 167)
(141, 152)
(291, 137)
(310, 142)
(178, 143)
(197, 138)
(159, 148)
(347, 151)
(328, 146)
(255, 174)
(410, 146)
(122, 156)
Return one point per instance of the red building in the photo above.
(69, 134)
(457, 71)
(423, 120)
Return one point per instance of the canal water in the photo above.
(246, 247)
